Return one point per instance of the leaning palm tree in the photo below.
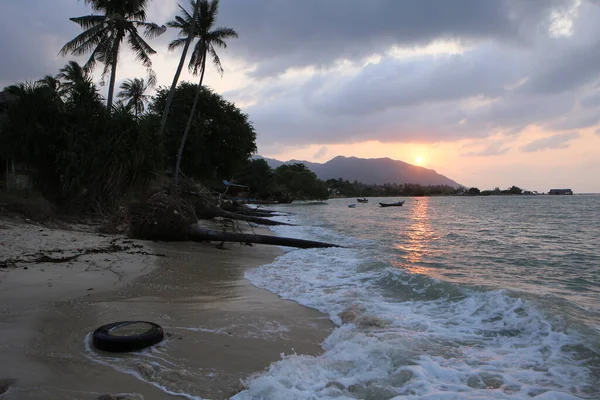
(208, 38)
(132, 91)
(103, 35)
(178, 23)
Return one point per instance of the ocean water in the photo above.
(443, 298)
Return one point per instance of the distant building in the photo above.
(560, 191)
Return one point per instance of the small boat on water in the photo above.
(363, 200)
(396, 204)
(351, 205)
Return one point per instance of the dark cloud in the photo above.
(558, 141)
(491, 88)
(513, 73)
(33, 33)
(277, 35)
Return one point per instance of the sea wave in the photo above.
(405, 334)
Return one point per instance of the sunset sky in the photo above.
(488, 93)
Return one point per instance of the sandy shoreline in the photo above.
(220, 328)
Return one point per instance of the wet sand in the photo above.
(220, 328)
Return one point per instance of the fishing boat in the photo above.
(363, 200)
(396, 204)
(351, 205)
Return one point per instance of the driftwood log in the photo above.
(212, 212)
(199, 234)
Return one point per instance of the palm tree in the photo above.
(208, 39)
(103, 35)
(132, 91)
(77, 86)
(73, 74)
(190, 35)
(53, 85)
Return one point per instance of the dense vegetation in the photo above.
(358, 189)
(77, 151)
(296, 181)
(284, 184)
(81, 153)
(513, 190)
(220, 138)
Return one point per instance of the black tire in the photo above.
(102, 338)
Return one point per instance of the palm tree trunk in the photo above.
(113, 75)
(189, 121)
(163, 121)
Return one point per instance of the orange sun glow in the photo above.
(419, 160)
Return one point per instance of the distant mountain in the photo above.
(371, 171)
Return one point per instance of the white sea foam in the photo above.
(141, 365)
(475, 345)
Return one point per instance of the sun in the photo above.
(419, 160)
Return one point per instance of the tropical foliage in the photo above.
(104, 33)
(221, 138)
(284, 184)
(208, 37)
(79, 155)
(85, 158)
(80, 152)
(133, 94)
(344, 188)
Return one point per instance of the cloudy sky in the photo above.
(488, 92)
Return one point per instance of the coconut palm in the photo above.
(132, 92)
(103, 35)
(190, 35)
(77, 86)
(73, 74)
(208, 38)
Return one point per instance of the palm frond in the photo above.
(151, 30)
(177, 43)
(151, 77)
(196, 58)
(141, 49)
(216, 60)
(223, 33)
(89, 21)
(84, 42)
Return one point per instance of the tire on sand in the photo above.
(124, 336)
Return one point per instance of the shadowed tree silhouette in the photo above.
(103, 35)
(54, 86)
(208, 38)
(73, 74)
(132, 92)
(189, 33)
(77, 85)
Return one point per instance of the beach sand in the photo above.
(220, 329)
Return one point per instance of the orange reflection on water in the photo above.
(417, 236)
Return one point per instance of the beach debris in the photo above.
(46, 257)
(164, 215)
(125, 336)
(200, 233)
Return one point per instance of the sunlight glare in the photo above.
(419, 160)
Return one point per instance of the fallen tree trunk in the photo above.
(198, 233)
(212, 212)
